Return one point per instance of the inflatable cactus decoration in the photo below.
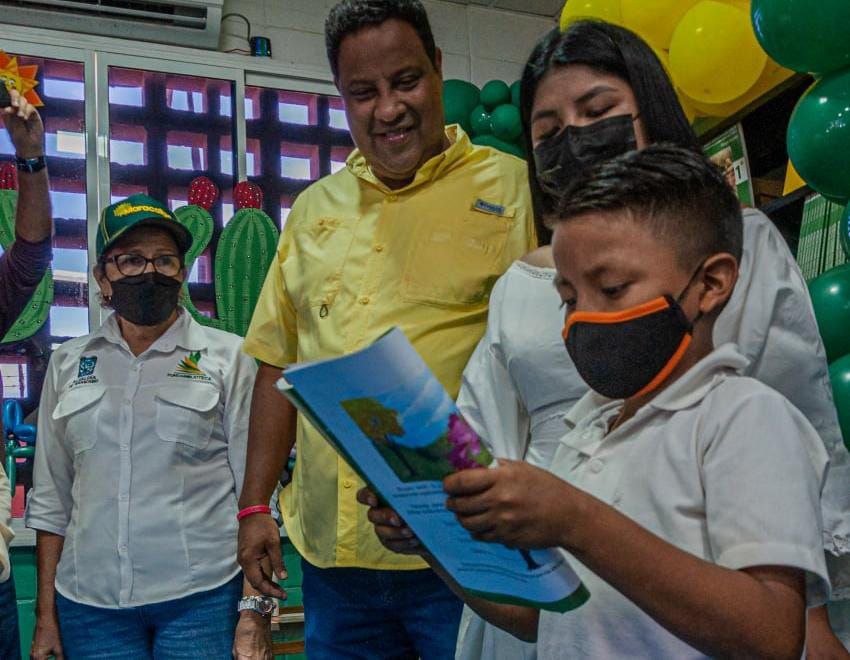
(245, 251)
(38, 308)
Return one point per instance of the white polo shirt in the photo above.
(719, 465)
(139, 462)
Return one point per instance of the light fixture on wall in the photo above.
(231, 40)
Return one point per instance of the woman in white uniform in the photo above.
(142, 433)
(590, 93)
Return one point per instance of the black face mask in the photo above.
(146, 299)
(560, 158)
(632, 352)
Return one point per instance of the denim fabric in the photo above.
(10, 641)
(360, 613)
(198, 626)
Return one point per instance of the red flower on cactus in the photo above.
(466, 445)
(247, 195)
(203, 192)
(8, 176)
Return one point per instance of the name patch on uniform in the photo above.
(85, 372)
(188, 368)
(488, 207)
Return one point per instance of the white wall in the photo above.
(478, 44)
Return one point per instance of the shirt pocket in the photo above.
(455, 261)
(77, 409)
(186, 414)
(314, 278)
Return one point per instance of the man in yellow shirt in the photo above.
(412, 233)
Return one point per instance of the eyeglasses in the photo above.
(135, 264)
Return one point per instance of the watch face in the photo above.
(266, 605)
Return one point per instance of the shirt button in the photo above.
(392, 198)
(364, 300)
(122, 548)
(124, 446)
(347, 483)
(379, 247)
(127, 402)
(596, 466)
(123, 497)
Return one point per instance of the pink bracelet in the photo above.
(251, 510)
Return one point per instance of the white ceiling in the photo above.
(550, 8)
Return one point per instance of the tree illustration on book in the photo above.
(457, 448)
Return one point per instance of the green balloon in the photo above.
(839, 375)
(819, 136)
(831, 299)
(809, 36)
(515, 93)
(495, 93)
(496, 143)
(507, 124)
(481, 121)
(459, 100)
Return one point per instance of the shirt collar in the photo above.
(691, 388)
(459, 148)
(184, 332)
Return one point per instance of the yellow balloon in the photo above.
(655, 20)
(772, 76)
(714, 55)
(605, 10)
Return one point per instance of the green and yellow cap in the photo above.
(138, 211)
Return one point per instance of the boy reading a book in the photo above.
(689, 495)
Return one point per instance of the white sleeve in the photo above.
(771, 319)
(49, 503)
(239, 384)
(488, 399)
(6, 533)
(763, 467)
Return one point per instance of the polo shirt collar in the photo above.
(595, 410)
(459, 148)
(185, 332)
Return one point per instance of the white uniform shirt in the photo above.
(719, 465)
(139, 462)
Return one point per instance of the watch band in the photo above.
(260, 604)
(30, 165)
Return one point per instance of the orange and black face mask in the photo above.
(629, 353)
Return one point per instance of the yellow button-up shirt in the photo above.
(356, 259)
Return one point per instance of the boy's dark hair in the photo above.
(682, 195)
(350, 16)
(615, 51)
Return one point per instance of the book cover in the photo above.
(386, 414)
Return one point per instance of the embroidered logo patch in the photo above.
(87, 365)
(188, 368)
(85, 372)
(487, 207)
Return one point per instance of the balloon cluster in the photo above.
(707, 46)
(810, 37)
(489, 115)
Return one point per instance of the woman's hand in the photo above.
(390, 528)
(46, 639)
(253, 639)
(516, 504)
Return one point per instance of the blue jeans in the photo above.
(198, 626)
(359, 613)
(10, 640)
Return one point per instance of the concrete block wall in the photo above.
(478, 44)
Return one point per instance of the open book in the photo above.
(387, 415)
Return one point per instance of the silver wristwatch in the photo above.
(260, 604)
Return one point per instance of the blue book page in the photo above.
(390, 418)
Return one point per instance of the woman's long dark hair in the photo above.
(616, 51)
